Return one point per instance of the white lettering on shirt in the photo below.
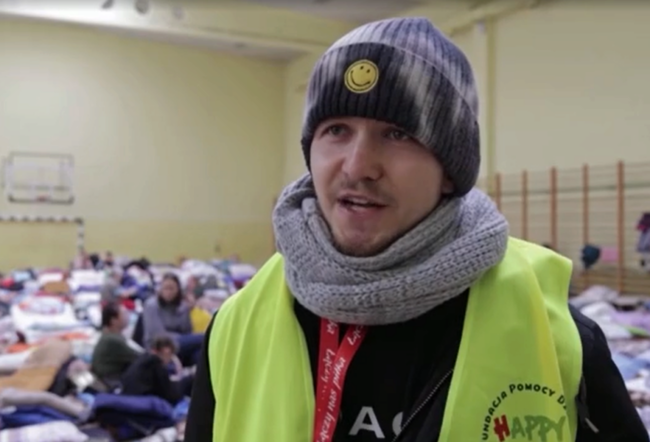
(397, 423)
(367, 421)
(372, 425)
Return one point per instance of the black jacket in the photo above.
(389, 383)
(148, 376)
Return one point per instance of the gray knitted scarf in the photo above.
(437, 260)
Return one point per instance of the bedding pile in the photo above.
(625, 321)
(50, 321)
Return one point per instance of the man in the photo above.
(112, 354)
(456, 332)
(149, 375)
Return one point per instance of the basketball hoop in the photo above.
(37, 178)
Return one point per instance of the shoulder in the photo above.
(151, 304)
(103, 342)
(592, 337)
(184, 308)
(257, 296)
(148, 360)
(608, 401)
(111, 339)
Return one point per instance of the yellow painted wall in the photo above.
(572, 85)
(572, 89)
(177, 149)
(296, 77)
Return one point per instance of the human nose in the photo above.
(361, 161)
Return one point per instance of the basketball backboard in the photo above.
(38, 178)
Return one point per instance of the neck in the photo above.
(168, 304)
(438, 259)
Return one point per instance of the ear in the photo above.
(447, 187)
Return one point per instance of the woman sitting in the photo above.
(169, 314)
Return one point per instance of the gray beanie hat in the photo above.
(405, 72)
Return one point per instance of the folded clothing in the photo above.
(24, 415)
(164, 435)
(43, 313)
(593, 294)
(630, 367)
(131, 417)
(15, 397)
(59, 431)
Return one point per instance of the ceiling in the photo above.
(359, 11)
(272, 29)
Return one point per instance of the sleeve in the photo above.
(202, 406)
(151, 323)
(125, 354)
(609, 406)
(167, 389)
(187, 312)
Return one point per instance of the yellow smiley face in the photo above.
(361, 76)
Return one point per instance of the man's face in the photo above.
(373, 182)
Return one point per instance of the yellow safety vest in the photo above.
(516, 376)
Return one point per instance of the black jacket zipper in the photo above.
(424, 403)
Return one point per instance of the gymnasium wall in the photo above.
(296, 76)
(177, 149)
(571, 85)
(568, 88)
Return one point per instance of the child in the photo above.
(149, 374)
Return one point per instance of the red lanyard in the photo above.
(333, 363)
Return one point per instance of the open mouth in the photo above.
(359, 203)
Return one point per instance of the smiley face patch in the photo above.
(361, 76)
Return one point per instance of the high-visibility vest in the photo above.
(516, 376)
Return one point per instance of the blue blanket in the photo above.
(24, 415)
(132, 416)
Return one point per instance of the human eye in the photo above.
(335, 130)
(398, 135)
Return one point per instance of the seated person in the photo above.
(199, 317)
(138, 280)
(169, 314)
(111, 290)
(149, 375)
(112, 354)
